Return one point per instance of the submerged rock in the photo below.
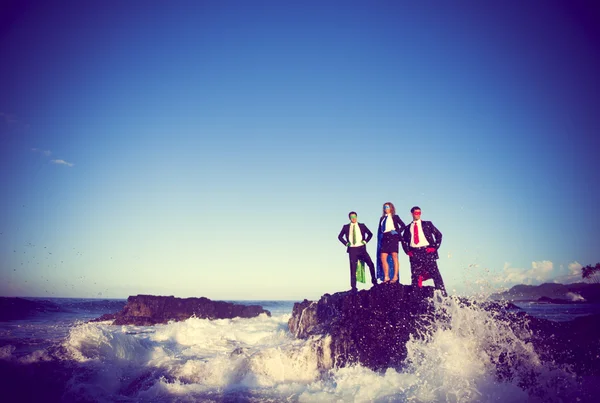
(147, 310)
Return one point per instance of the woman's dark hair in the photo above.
(392, 209)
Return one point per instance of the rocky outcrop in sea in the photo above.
(148, 310)
(372, 328)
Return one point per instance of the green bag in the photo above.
(360, 271)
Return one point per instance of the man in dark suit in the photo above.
(421, 241)
(355, 237)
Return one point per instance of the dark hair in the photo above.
(412, 210)
(352, 212)
(392, 209)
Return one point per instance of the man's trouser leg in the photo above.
(416, 270)
(434, 272)
(416, 264)
(353, 255)
(364, 256)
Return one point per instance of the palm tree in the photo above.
(591, 273)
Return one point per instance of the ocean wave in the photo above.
(476, 354)
(468, 355)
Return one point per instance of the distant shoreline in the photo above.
(551, 293)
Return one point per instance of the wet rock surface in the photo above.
(372, 327)
(575, 343)
(147, 310)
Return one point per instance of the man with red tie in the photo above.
(421, 241)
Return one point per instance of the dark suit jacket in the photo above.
(432, 234)
(398, 225)
(345, 232)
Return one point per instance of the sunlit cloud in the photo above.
(539, 272)
(47, 153)
(62, 162)
(575, 269)
(572, 275)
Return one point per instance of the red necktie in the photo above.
(416, 234)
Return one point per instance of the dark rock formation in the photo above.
(147, 310)
(522, 292)
(575, 343)
(370, 327)
(373, 326)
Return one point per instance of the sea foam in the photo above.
(468, 355)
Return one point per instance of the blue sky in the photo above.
(215, 148)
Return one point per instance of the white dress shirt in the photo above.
(389, 224)
(359, 237)
(422, 239)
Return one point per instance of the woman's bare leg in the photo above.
(396, 267)
(386, 267)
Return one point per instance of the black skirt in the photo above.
(389, 243)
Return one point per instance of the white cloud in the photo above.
(62, 162)
(539, 272)
(572, 276)
(45, 152)
(575, 269)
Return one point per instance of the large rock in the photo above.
(575, 343)
(146, 310)
(370, 327)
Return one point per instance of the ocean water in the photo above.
(558, 312)
(258, 360)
